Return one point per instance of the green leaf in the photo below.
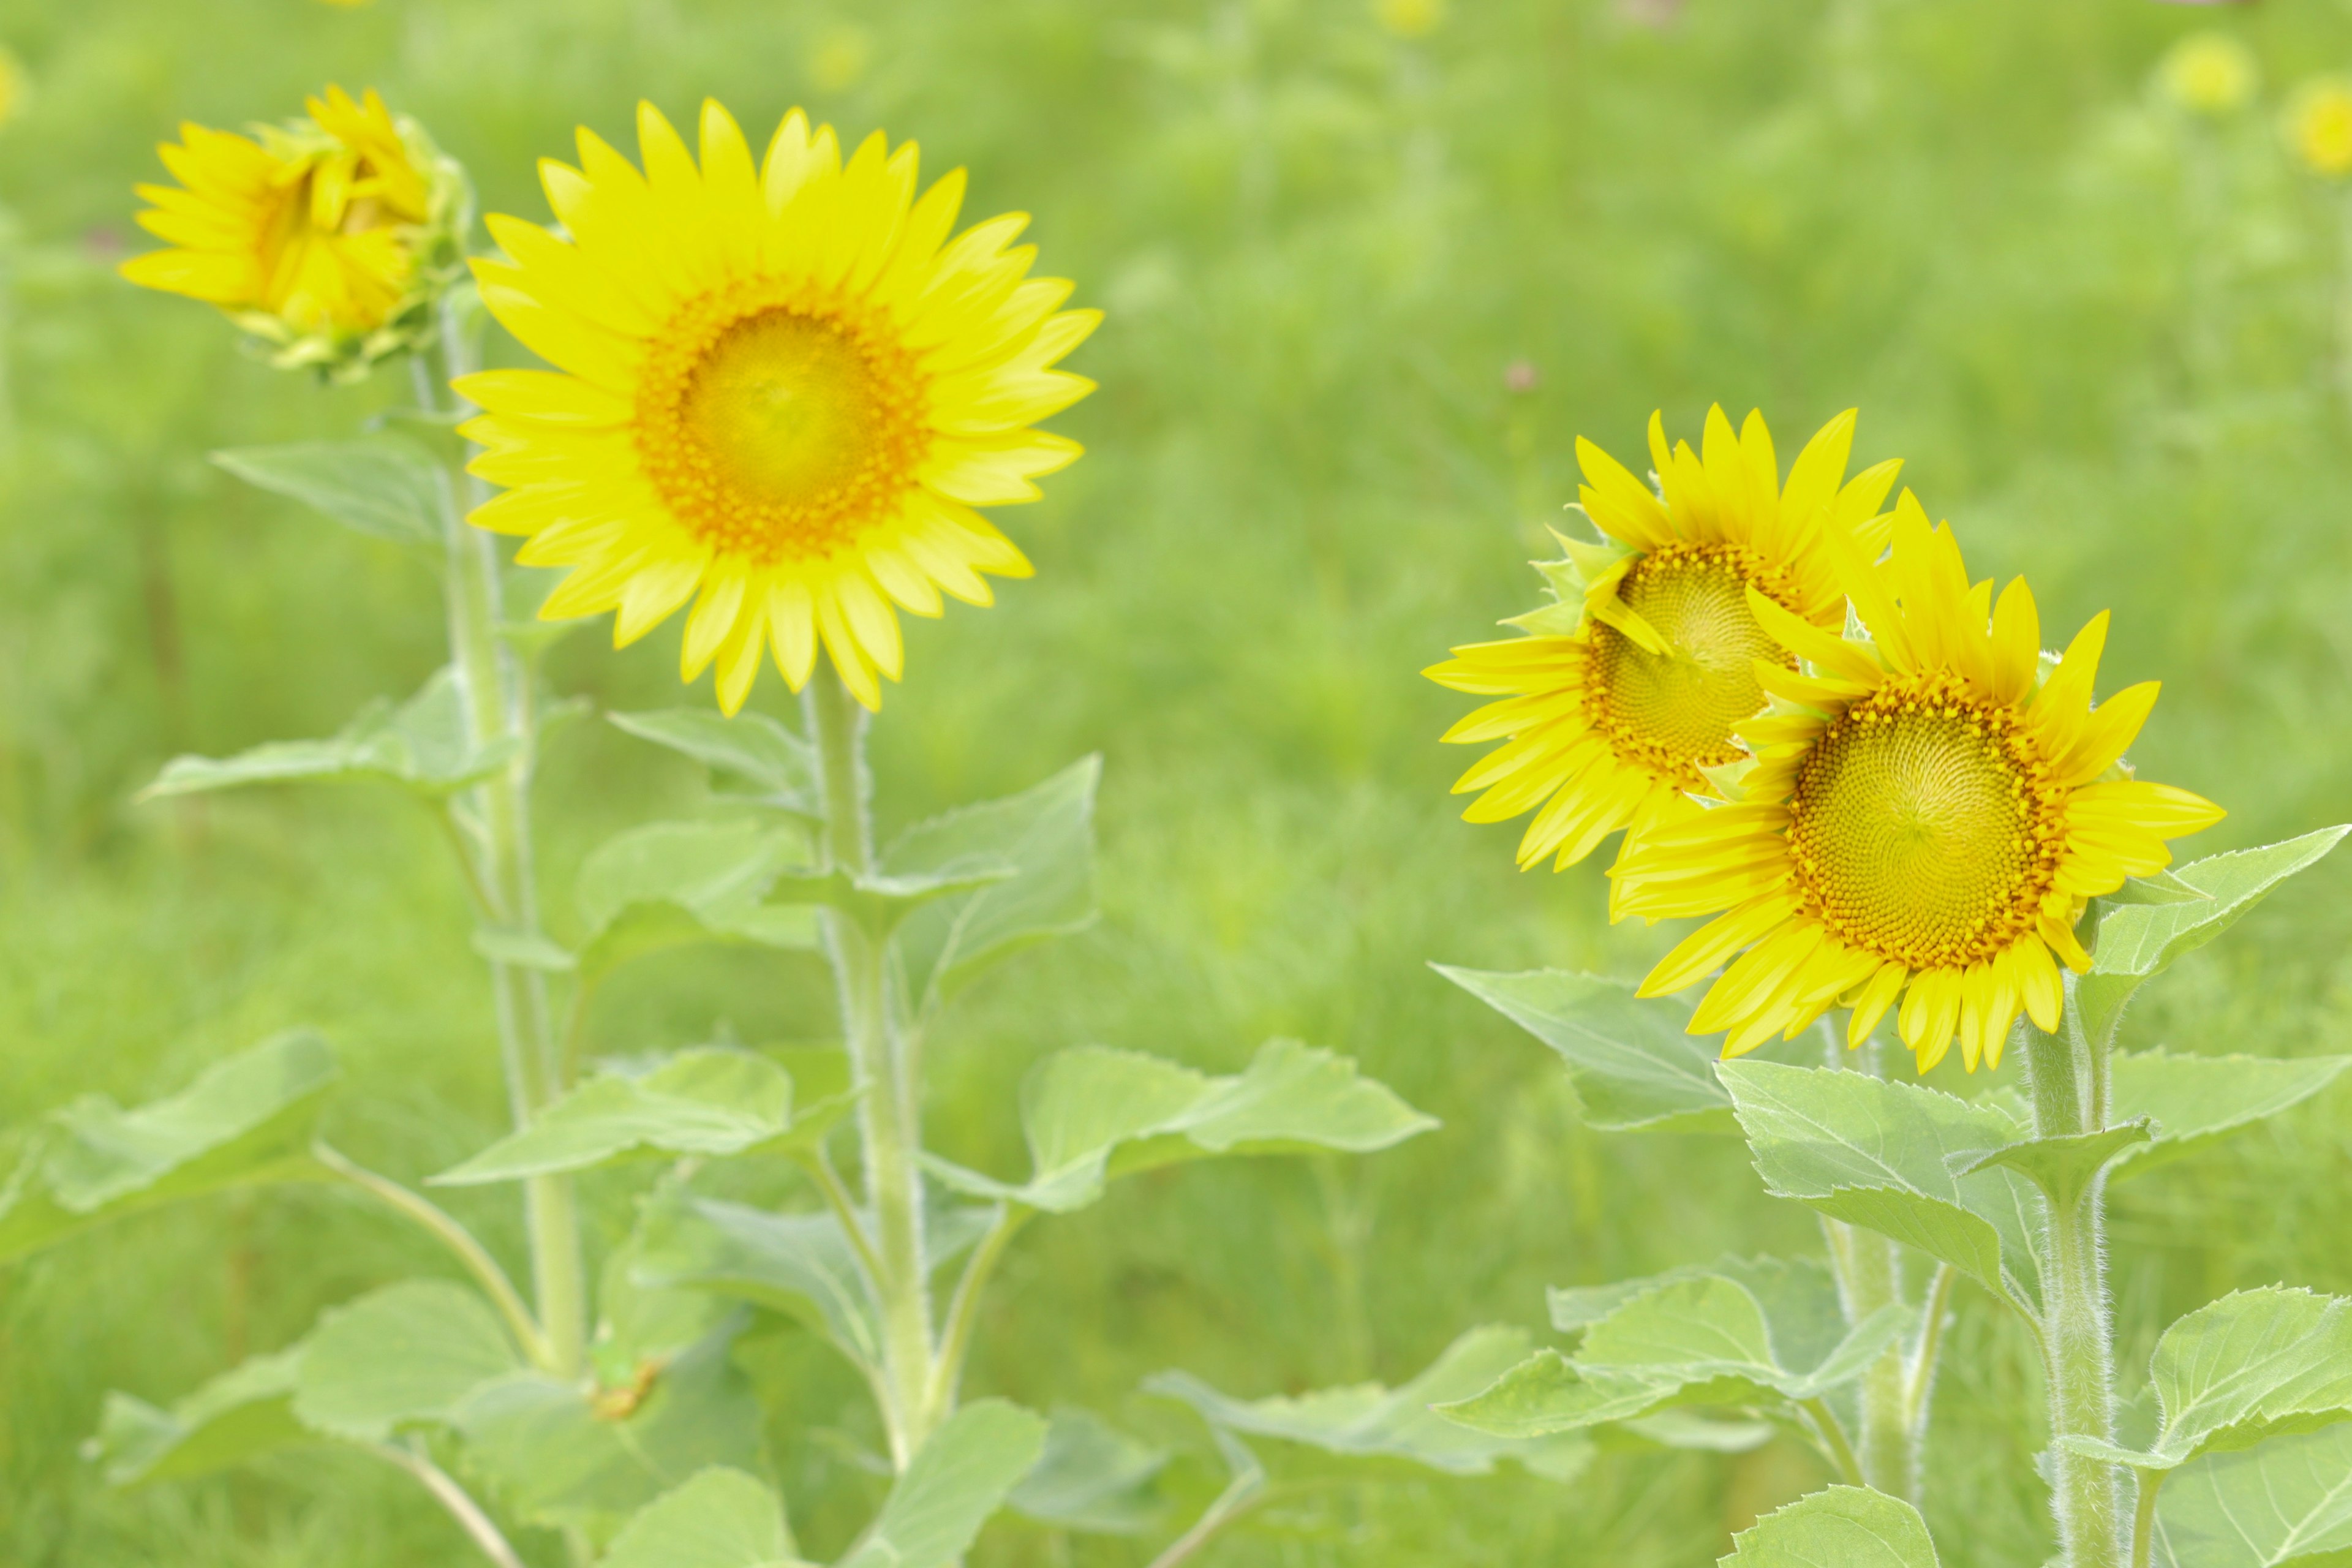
(1740, 1331)
(2140, 940)
(717, 1519)
(2288, 1502)
(1631, 1062)
(959, 1477)
(800, 1264)
(385, 487)
(1839, 1527)
(712, 1100)
(2191, 1100)
(524, 949)
(2250, 1365)
(1043, 835)
(1093, 1478)
(241, 1414)
(407, 1354)
(1891, 1157)
(751, 751)
(667, 884)
(2065, 1167)
(1368, 1419)
(566, 1456)
(1092, 1112)
(424, 746)
(246, 1120)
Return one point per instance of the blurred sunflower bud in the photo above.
(1409, 18)
(330, 239)
(2207, 73)
(2319, 124)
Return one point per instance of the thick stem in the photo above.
(889, 1122)
(2088, 1494)
(500, 705)
(1869, 1271)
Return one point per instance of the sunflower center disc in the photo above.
(778, 430)
(1922, 826)
(1673, 712)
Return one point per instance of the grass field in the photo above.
(1363, 291)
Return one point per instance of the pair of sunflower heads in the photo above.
(1810, 725)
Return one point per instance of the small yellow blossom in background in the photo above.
(347, 5)
(1409, 18)
(13, 85)
(2319, 125)
(327, 238)
(839, 59)
(2209, 73)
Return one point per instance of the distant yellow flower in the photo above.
(784, 387)
(327, 238)
(1409, 18)
(13, 85)
(2209, 73)
(838, 61)
(2319, 125)
(1926, 817)
(348, 5)
(1625, 693)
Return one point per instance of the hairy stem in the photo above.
(2087, 1493)
(963, 1308)
(1834, 1442)
(1921, 1383)
(1869, 1271)
(889, 1125)
(499, 706)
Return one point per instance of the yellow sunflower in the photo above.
(326, 237)
(1926, 816)
(1621, 697)
(781, 386)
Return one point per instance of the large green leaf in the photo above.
(798, 1264)
(2138, 941)
(1091, 1477)
(1092, 1112)
(961, 1475)
(1897, 1159)
(1746, 1332)
(713, 1101)
(424, 746)
(246, 1119)
(718, 1518)
(667, 884)
(1043, 837)
(1368, 1419)
(564, 1456)
(2189, 1100)
(1633, 1063)
(382, 486)
(750, 751)
(1839, 1527)
(2249, 1367)
(2288, 1502)
(245, 1412)
(408, 1354)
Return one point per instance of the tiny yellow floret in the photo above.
(2209, 73)
(781, 387)
(2318, 125)
(1409, 18)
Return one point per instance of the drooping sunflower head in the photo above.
(326, 238)
(1926, 818)
(1623, 695)
(780, 389)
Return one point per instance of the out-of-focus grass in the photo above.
(2103, 336)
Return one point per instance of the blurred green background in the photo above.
(1369, 271)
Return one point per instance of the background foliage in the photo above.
(2106, 337)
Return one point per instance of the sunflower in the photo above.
(327, 238)
(780, 387)
(1620, 701)
(1926, 818)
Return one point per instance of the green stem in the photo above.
(1241, 1494)
(1924, 1356)
(963, 1308)
(470, 1515)
(1834, 1442)
(888, 1110)
(2087, 1493)
(436, 1221)
(499, 704)
(1869, 1271)
(2143, 1517)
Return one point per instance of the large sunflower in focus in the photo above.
(780, 389)
(326, 237)
(1926, 817)
(1621, 697)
